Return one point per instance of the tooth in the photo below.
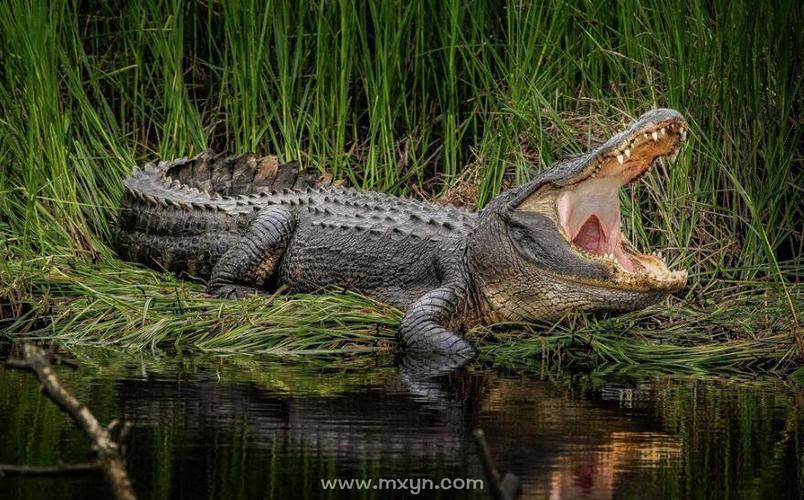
(620, 159)
(655, 136)
(684, 135)
(663, 131)
(593, 174)
(628, 152)
(646, 136)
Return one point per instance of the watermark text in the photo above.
(412, 485)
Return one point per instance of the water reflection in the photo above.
(592, 475)
(244, 428)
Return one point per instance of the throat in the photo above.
(591, 237)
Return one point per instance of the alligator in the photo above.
(247, 225)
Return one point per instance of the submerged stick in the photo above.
(507, 487)
(109, 456)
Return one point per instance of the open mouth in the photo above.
(588, 205)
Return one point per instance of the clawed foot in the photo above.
(442, 344)
(423, 364)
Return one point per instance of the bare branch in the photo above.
(110, 458)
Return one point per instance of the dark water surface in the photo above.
(248, 427)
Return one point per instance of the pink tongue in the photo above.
(591, 237)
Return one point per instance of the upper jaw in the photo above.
(655, 134)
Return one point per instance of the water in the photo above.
(246, 427)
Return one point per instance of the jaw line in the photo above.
(588, 212)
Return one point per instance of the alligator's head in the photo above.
(556, 243)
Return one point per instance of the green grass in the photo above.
(411, 98)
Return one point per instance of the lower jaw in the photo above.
(631, 271)
(558, 296)
(613, 252)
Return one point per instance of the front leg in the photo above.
(424, 329)
(247, 265)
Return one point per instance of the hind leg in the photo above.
(244, 268)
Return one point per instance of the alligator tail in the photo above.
(182, 215)
(224, 175)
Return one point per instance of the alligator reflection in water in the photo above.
(244, 429)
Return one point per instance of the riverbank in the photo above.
(461, 103)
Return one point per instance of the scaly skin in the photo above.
(246, 225)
